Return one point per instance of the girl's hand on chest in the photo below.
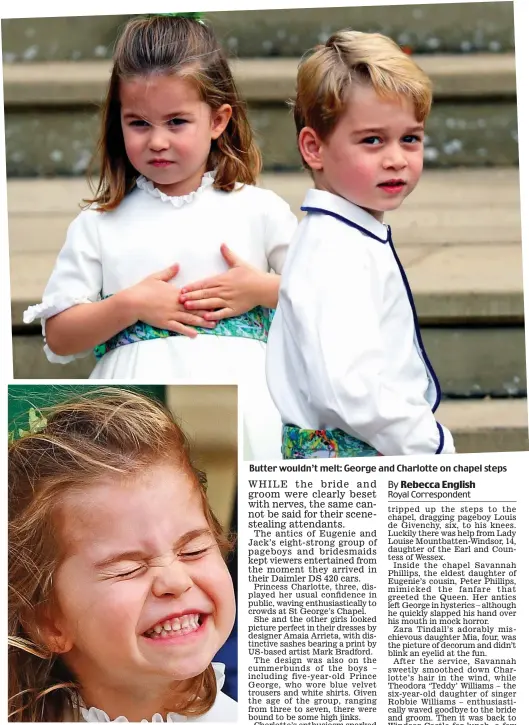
(229, 294)
(156, 302)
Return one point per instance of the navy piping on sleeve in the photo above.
(418, 332)
(346, 221)
(441, 438)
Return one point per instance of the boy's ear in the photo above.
(309, 144)
(220, 119)
(47, 631)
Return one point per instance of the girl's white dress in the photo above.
(149, 231)
(224, 708)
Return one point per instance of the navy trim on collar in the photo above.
(312, 209)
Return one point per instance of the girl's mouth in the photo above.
(176, 627)
(160, 163)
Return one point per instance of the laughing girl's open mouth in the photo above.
(177, 626)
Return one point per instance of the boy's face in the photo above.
(143, 592)
(374, 156)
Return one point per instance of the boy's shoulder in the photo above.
(325, 210)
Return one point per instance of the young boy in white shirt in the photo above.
(346, 365)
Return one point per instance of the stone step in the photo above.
(481, 426)
(443, 28)
(267, 80)
(52, 122)
(458, 236)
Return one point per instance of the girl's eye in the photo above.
(130, 574)
(139, 123)
(194, 554)
(412, 139)
(372, 140)
(177, 122)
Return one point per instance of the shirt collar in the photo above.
(338, 207)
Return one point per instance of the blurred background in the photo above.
(458, 234)
(208, 416)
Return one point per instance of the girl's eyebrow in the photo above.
(138, 554)
(174, 114)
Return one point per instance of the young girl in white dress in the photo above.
(175, 252)
(119, 596)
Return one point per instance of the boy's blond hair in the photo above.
(348, 59)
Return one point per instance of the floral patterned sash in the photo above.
(254, 324)
(333, 443)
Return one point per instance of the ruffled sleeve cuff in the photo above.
(49, 307)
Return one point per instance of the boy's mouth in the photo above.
(392, 186)
(176, 626)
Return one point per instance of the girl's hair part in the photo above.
(349, 59)
(186, 48)
(109, 432)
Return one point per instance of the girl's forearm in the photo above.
(269, 290)
(86, 325)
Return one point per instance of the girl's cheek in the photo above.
(120, 605)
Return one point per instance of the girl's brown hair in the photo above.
(107, 431)
(183, 47)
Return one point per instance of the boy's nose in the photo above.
(395, 158)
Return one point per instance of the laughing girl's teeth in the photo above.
(180, 625)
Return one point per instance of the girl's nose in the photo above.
(172, 579)
(158, 140)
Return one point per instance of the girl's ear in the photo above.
(220, 119)
(47, 630)
(310, 145)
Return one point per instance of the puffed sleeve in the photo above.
(76, 278)
(335, 320)
(281, 224)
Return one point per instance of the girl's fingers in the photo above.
(220, 314)
(194, 320)
(175, 326)
(212, 303)
(200, 285)
(200, 294)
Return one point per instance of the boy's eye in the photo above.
(372, 140)
(412, 138)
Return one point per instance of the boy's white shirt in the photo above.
(343, 350)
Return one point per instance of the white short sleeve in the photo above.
(76, 278)
(281, 224)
